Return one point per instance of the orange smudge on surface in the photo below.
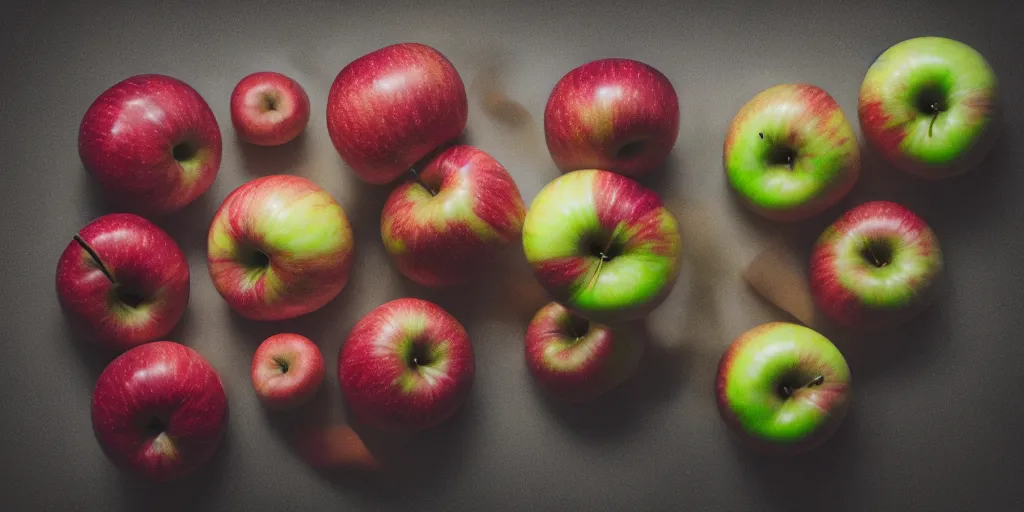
(335, 447)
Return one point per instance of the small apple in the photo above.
(451, 221)
(876, 267)
(269, 109)
(614, 114)
(152, 142)
(602, 244)
(279, 247)
(576, 360)
(287, 370)
(394, 106)
(406, 366)
(159, 410)
(790, 153)
(783, 388)
(929, 105)
(123, 280)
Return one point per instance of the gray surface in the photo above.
(937, 418)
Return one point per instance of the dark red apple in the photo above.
(406, 366)
(269, 109)
(287, 370)
(123, 280)
(392, 107)
(159, 410)
(152, 142)
(618, 115)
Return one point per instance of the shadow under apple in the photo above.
(268, 160)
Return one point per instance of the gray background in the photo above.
(937, 418)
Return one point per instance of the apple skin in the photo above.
(394, 106)
(279, 247)
(849, 285)
(582, 215)
(406, 366)
(269, 109)
(620, 115)
(152, 142)
(750, 380)
(135, 292)
(930, 106)
(287, 371)
(159, 411)
(442, 228)
(575, 360)
(790, 153)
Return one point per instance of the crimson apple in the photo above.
(287, 370)
(407, 365)
(152, 142)
(123, 280)
(159, 410)
(394, 106)
(269, 109)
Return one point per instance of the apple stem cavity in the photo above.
(282, 364)
(95, 258)
(416, 178)
(183, 152)
(786, 390)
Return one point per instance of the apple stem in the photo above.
(96, 258)
(416, 177)
(816, 381)
(935, 115)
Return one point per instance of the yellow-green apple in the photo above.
(279, 247)
(394, 106)
(287, 370)
(123, 281)
(405, 366)
(159, 410)
(614, 114)
(790, 153)
(782, 388)
(930, 106)
(574, 359)
(876, 267)
(269, 109)
(602, 244)
(152, 142)
(446, 225)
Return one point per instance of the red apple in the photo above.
(394, 106)
(152, 142)
(407, 365)
(279, 247)
(159, 410)
(287, 370)
(123, 281)
(619, 115)
(574, 359)
(451, 221)
(269, 109)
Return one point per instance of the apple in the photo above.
(287, 370)
(392, 107)
(448, 223)
(406, 366)
(279, 247)
(790, 153)
(614, 114)
(574, 359)
(123, 281)
(602, 244)
(782, 388)
(159, 410)
(876, 267)
(929, 105)
(152, 142)
(269, 109)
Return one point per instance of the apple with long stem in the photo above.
(269, 109)
(286, 371)
(450, 221)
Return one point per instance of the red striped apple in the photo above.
(406, 366)
(152, 142)
(619, 115)
(449, 223)
(159, 410)
(394, 106)
(279, 247)
(269, 109)
(123, 280)
(287, 370)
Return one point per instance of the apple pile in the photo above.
(603, 246)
